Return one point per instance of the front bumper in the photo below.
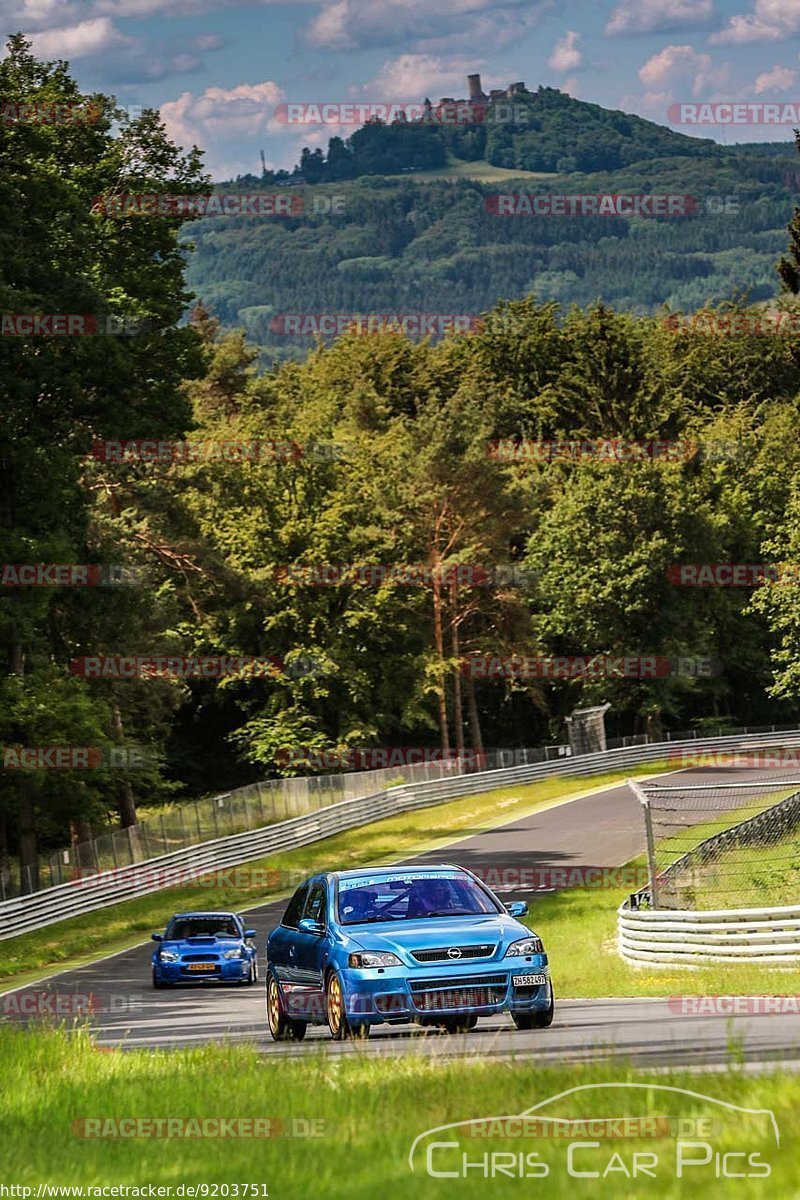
(400, 994)
(232, 970)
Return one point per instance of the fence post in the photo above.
(651, 846)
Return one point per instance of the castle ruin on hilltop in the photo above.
(478, 96)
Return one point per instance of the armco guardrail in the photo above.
(662, 937)
(91, 893)
(665, 937)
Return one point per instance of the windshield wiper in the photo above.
(451, 912)
(372, 920)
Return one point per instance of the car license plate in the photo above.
(529, 980)
(200, 966)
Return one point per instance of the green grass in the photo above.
(82, 939)
(747, 877)
(481, 171)
(369, 1111)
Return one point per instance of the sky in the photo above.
(218, 69)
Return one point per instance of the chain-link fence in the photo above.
(190, 823)
(177, 826)
(724, 845)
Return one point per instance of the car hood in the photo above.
(202, 945)
(427, 934)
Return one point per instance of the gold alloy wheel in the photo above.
(273, 1006)
(335, 1004)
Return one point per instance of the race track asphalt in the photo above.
(601, 830)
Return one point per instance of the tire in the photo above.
(281, 1027)
(459, 1024)
(158, 984)
(252, 976)
(338, 1023)
(536, 1020)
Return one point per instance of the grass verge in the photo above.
(367, 1113)
(83, 939)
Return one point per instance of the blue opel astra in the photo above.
(205, 946)
(391, 945)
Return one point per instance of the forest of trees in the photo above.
(393, 465)
(398, 245)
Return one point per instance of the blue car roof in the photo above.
(203, 914)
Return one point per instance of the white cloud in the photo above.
(566, 56)
(89, 37)
(672, 63)
(215, 118)
(779, 79)
(769, 21)
(330, 30)
(655, 16)
(420, 26)
(412, 76)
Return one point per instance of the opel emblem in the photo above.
(454, 952)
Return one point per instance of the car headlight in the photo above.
(530, 945)
(239, 953)
(373, 958)
(168, 956)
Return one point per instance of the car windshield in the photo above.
(372, 899)
(181, 928)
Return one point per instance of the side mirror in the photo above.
(518, 908)
(157, 937)
(249, 933)
(309, 926)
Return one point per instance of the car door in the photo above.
(312, 948)
(283, 940)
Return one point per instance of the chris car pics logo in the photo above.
(608, 1132)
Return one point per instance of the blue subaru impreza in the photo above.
(392, 945)
(205, 946)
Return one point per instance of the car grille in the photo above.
(201, 958)
(477, 991)
(442, 953)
